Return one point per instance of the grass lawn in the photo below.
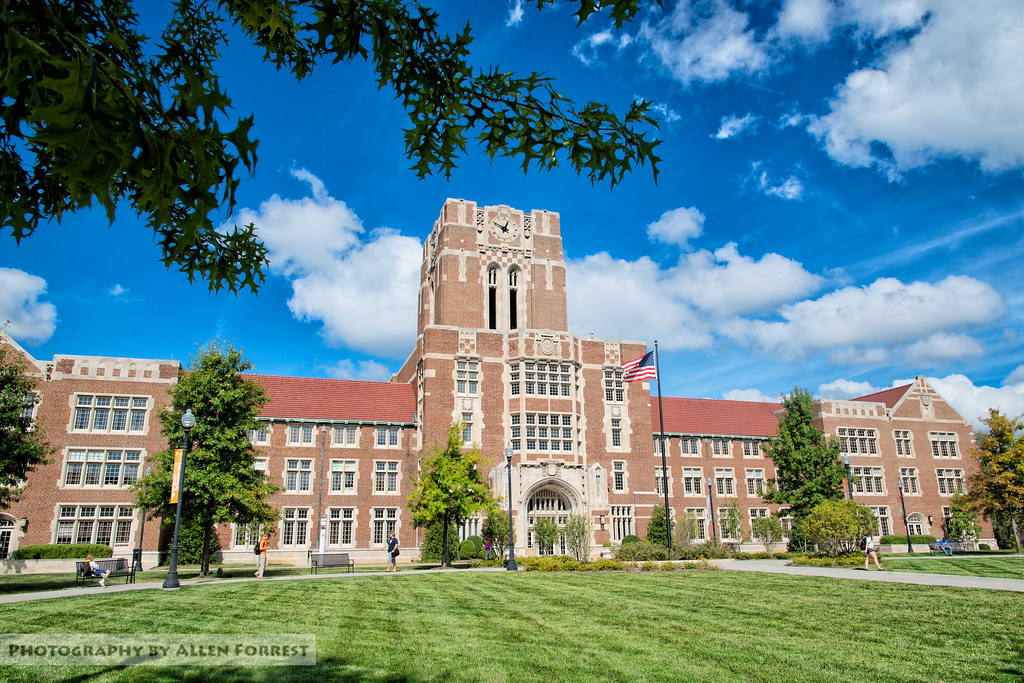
(493, 626)
(992, 567)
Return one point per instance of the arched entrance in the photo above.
(546, 506)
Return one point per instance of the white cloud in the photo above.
(677, 226)
(790, 189)
(974, 402)
(859, 356)
(886, 312)
(515, 15)
(942, 347)
(808, 21)
(117, 290)
(1015, 377)
(734, 126)
(336, 272)
(366, 370)
(880, 18)
(954, 89)
(845, 389)
(588, 49)
(32, 320)
(706, 41)
(749, 395)
(668, 115)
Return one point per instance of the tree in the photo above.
(768, 532)
(95, 112)
(997, 488)
(838, 525)
(657, 529)
(546, 532)
(495, 530)
(23, 444)
(687, 530)
(450, 487)
(962, 523)
(808, 468)
(578, 530)
(730, 521)
(221, 483)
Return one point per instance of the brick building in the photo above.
(493, 351)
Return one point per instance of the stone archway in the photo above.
(554, 501)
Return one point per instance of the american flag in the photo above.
(641, 368)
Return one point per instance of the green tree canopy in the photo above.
(450, 487)
(23, 444)
(808, 467)
(730, 520)
(578, 530)
(768, 532)
(221, 483)
(95, 111)
(997, 488)
(495, 530)
(657, 529)
(546, 533)
(838, 525)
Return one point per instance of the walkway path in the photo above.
(766, 566)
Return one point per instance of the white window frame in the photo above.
(693, 481)
(99, 523)
(904, 441)
(387, 477)
(295, 522)
(945, 445)
(755, 481)
(344, 471)
(298, 475)
(135, 407)
(725, 481)
(344, 436)
(387, 437)
(84, 461)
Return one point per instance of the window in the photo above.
(101, 467)
(28, 408)
(950, 481)
(466, 377)
(618, 476)
(513, 374)
(693, 478)
(517, 431)
(340, 522)
(699, 514)
(690, 446)
(617, 434)
(943, 444)
(725, 484)
(786, 520)
(858, 441)
(104, 414)
(659, 481)
(342, 435)
(467, 427)
(659, 443)
(385, 521)
(547, 379)
(613, 391)
(622, 521)
(385, 476)
(300, 435)
(247, 535)
(915, 524)
(908, 476)
(755, 482)
(752, 449)
(259, 436)
(102, 524)
(869, 479)
(387, 437)
(260, 464)
(294, 529)
(903, 444)
(882, 517)
(297, 475)
(720, 448)
(549, 432)
(343, 476)
(756, 513)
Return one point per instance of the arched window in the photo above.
(6, 535)
(492, 297)
(915, 524)
(551, 505)
(513, 299)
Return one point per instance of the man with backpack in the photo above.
(261, 555)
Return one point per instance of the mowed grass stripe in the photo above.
(575, 627)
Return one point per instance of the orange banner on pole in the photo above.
(176, 476)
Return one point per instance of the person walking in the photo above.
(392, 548)
(870, 554)
(261, 559)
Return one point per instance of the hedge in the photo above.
(63, 551)
(896, 539)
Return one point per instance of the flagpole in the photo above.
(661, 439)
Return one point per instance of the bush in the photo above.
(641, 551)
(897, 539)
(549, 563)
(984, 546)
(630, 539)
(602, 565)
(822, 560)
(669, 566)
(468, 550)
(713, 550)
(63, 551)
(190, 541)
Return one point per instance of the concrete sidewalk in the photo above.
(888, 576)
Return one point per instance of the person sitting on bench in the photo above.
(946, 548)
(93, 569)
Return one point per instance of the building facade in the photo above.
(492, 351)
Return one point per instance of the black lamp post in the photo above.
(188, 420)
(711, 507)
(511, 538)
(849, 479)
(142, 530)
(899, 485)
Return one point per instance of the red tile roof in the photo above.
(712, 416)
(890, 397)
(317, 398)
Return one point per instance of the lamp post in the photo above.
(511, 539)
(711, 507)
(188, 420)
(899, 485)
(849, 479)
(142, 530)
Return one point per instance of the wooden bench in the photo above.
(318, 561)
(116, 566)
(954, 546)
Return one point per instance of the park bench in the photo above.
(115, 566)
(955, 546)
(318, 561)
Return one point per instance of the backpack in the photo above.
(256, 548)
(863, 543)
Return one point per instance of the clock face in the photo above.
(505, 226)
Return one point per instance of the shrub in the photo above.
(557, 563)
(768, 531)
(669, 566)
(708, 550)
(190, 541)
(468, 550)
(642, 551)
(897, 539)
(984, 546)
(838, 525)
(627, 540)
(752, 556)
(701, 565)
(433, 540)
(64, 551)
(603, 565)
(821, 560)
(648, 567)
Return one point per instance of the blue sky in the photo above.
(840, 206)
